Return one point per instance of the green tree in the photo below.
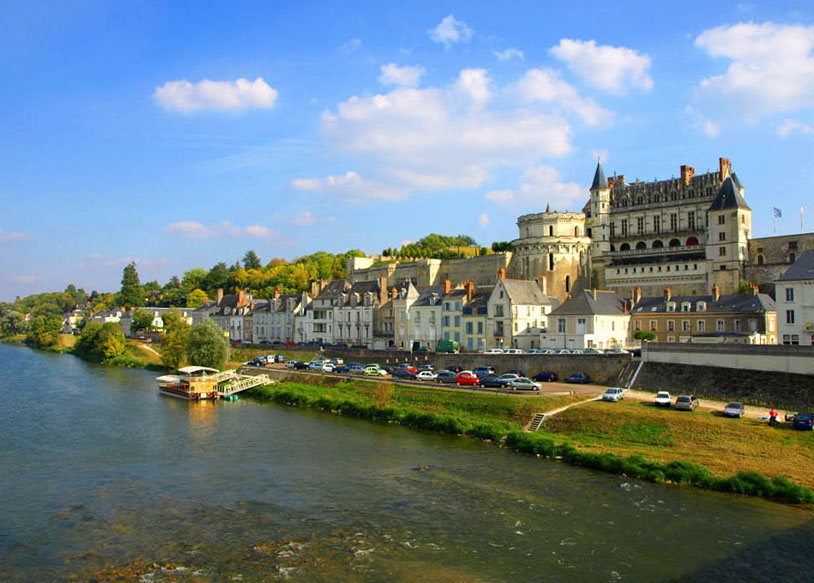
(173, 347)
(501, 246)
(196, 298)
(645, 335)
(141, 320)
(131, 294)
(13, 323)
(86, 343)
(207, 345)
(194, 277)
(110, 342)
(251, 260)
(43, 331)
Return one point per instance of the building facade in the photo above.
(795, 302)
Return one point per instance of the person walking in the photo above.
(772, 418)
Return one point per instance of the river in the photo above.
(102, 477)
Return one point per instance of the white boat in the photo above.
(192, 383)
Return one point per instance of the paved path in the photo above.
(749, 411)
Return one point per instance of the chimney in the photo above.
(220, 295)
(716, 293)
(382, 289)
(593, 293)
(542, 283)
(447, 286)
(276, 294)
(755, 289)
(394, 293)
(687, 172)
(624, 306)
(724, 167)
(638, 293)
(241, 298)
(667, 294)
(470, 289)
(501, 273)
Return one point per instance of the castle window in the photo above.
(673, 222)
(551, 262)
(567, 283)
(722, 251)
(674, 195)
(675, 243)
(721, 219)
(624, 247)
(658, 244)
(641, 245)
(624, 227)
(640, 225)
(657, 224)
(691, 220)
(692, 241)
(722, 236)
(760, 259)
(792, 258)
(576, 231)
(550, 231)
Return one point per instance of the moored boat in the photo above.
(192, 383)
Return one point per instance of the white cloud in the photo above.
(216, 95)
(350, 187)
(790, 126)
(538, 186)
(10, 237)
(450, 31)
(702, 123)
(771, 69)
(305, 219)
(407, 76)
(436, 138)
(483, 220)
(509, 54)
(196, 230)
(26, 279)
(612, 69)
(545, 85)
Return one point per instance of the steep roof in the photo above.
(524, 293)
(600, 183)
(334, 289)
(729, 197)
(607, 303)
(801, 269)
(426, 293)
(728, 303)
(479, 302)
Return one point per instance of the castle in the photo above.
(688, 233)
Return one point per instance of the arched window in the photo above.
(551, 262)
(641, 245)
(658, 244)
(760, 259)
(576, 231)
(675, 243)
(613, 247)
(567, 284)
(692, 241)
(674, 195)
(590, 233)
(624, 247)
(550, 231)
(639, 199)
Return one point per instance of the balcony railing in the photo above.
(656, 251)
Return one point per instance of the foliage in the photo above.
(194, 278)
(206, 345)
(196, 298)
(141, 320)
(251, 260)
(13, 323)
(43, 331)
(434, 246)
(173, 347)
(131, 293)
(501, 246)
(646, 335)
(101, 342)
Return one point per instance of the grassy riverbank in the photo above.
(620, 438)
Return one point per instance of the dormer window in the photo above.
(671, 306)
(685, 306)
(701, 307)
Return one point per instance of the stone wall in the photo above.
(768, 357)
(483, 270)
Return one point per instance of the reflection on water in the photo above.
(110, 481)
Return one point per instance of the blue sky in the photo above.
(182, 134)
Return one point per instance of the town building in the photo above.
(715, 317)
(274, 320)
(795, 302)
(590, 319)
(158, 314)
(513, 307)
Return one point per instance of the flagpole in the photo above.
(774, 221)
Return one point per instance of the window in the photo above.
(721, 219)
(720, 325)
(789, 294)
(417, 317)
(722, 236)
(673, 222)
(722, 251)
(792, 258)
(671, 325)
(624, 227)
(685, 325)
(480, 327)
(789, 316)
(737, 325)
(671, 306)
(498, 311)
(457, 321)
(640, 225)
(671, 339)
(657, 224)
(701, 307)
(691, 220)
(561, 325)
(445, 322)
(550, 231)
(457, 306)
(685, 306)
(638, 325)
(612, 230)
(652, 325)
(447, 307)
(469, 327)
(702, 326)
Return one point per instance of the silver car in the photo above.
(523, 384)
(734, 409)
(687, 402)
(614, 394)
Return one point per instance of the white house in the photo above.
(794, 293)
(590, 319)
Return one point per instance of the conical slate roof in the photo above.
(729, 197)
(600, 183)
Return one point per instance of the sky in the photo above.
(181, 134)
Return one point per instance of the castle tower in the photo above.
(730, 226)
(596, 224)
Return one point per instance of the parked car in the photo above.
(804, 421)
(545, 377)
(328, 367)
(519, 373)
(578, 377)
(509, 376)
(513, 351)
(446, 376)
(299, 365)
(428, 367)
(687, 403)
(614, 394)
(342, 369)
(408, 367)
(279, 358)
(449, 346)
(734, 409)
(403, 373)
(523, 384)
(426, 375)
(455, 369)
(316, 364)
(374, 370)
(337, 361)
(482, 371)
(421, 349)
(493, 351)
(291, 364)
(265, 342)
(663, 399)
(591, 351)
(467, 378)
(493, 381)
(356, 369)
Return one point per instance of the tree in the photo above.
(501, 246)
(131, 293)
(207, 345)
(13, 323)
(251, 260)
(194, 277)
(645, 335)
(173, 347)
(196, 298)
(110, 342)
(43, 331)
(141, 320)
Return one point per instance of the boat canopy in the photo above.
(197, 370)
(168, 378)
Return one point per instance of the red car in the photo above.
(467, 378)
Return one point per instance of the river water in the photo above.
(102, 477)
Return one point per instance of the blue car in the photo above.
(803, 421)
(579, 377)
